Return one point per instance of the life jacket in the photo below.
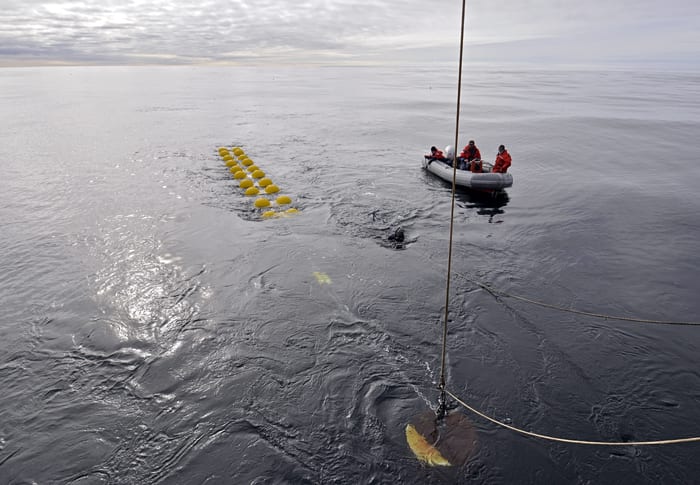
(502, 162)
(438, 155)
(470, 153)
(477, 166)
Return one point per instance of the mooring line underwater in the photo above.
(500, 293)
(570, 440)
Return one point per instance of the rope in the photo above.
(452, 210)
(573, 441)
(497, 293)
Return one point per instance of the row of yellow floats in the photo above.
(254, 182)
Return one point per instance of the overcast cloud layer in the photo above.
(348, 31)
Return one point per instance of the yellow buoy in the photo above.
(262, 202)
(291, 210)
(230, 163)
(234, 169)
(246, 161)
(238, 151)
(252, 191)
(222, 151)
(239, 175)
(245, 183)
(283, 200)
(264, 182)
(227, 156)
(271, 189)
(253, 168)
(269, 214)
(258, 174)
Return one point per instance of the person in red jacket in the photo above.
(503, 160)
(435, 154)
(470, 153)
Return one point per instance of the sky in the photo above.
(348, 32)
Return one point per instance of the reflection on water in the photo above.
(486, 203)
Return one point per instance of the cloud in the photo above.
(174, 31)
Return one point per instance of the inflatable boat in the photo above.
(485, 180)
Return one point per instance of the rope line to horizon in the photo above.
(441, 385)
(569, 440)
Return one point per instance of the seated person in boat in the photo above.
(503, 160)
(435, 154)
(470, 153)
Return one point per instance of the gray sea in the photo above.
(155, 328)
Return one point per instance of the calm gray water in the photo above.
(154, 329)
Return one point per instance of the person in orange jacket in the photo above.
(435, 154)
(503, 160)
(470, 153)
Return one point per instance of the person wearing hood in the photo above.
(503, 160)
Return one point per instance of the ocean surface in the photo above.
(155, 328)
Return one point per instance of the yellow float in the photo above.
(262, 202)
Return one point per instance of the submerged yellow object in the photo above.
(322, 278)
(449, 441)
(423, 450)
